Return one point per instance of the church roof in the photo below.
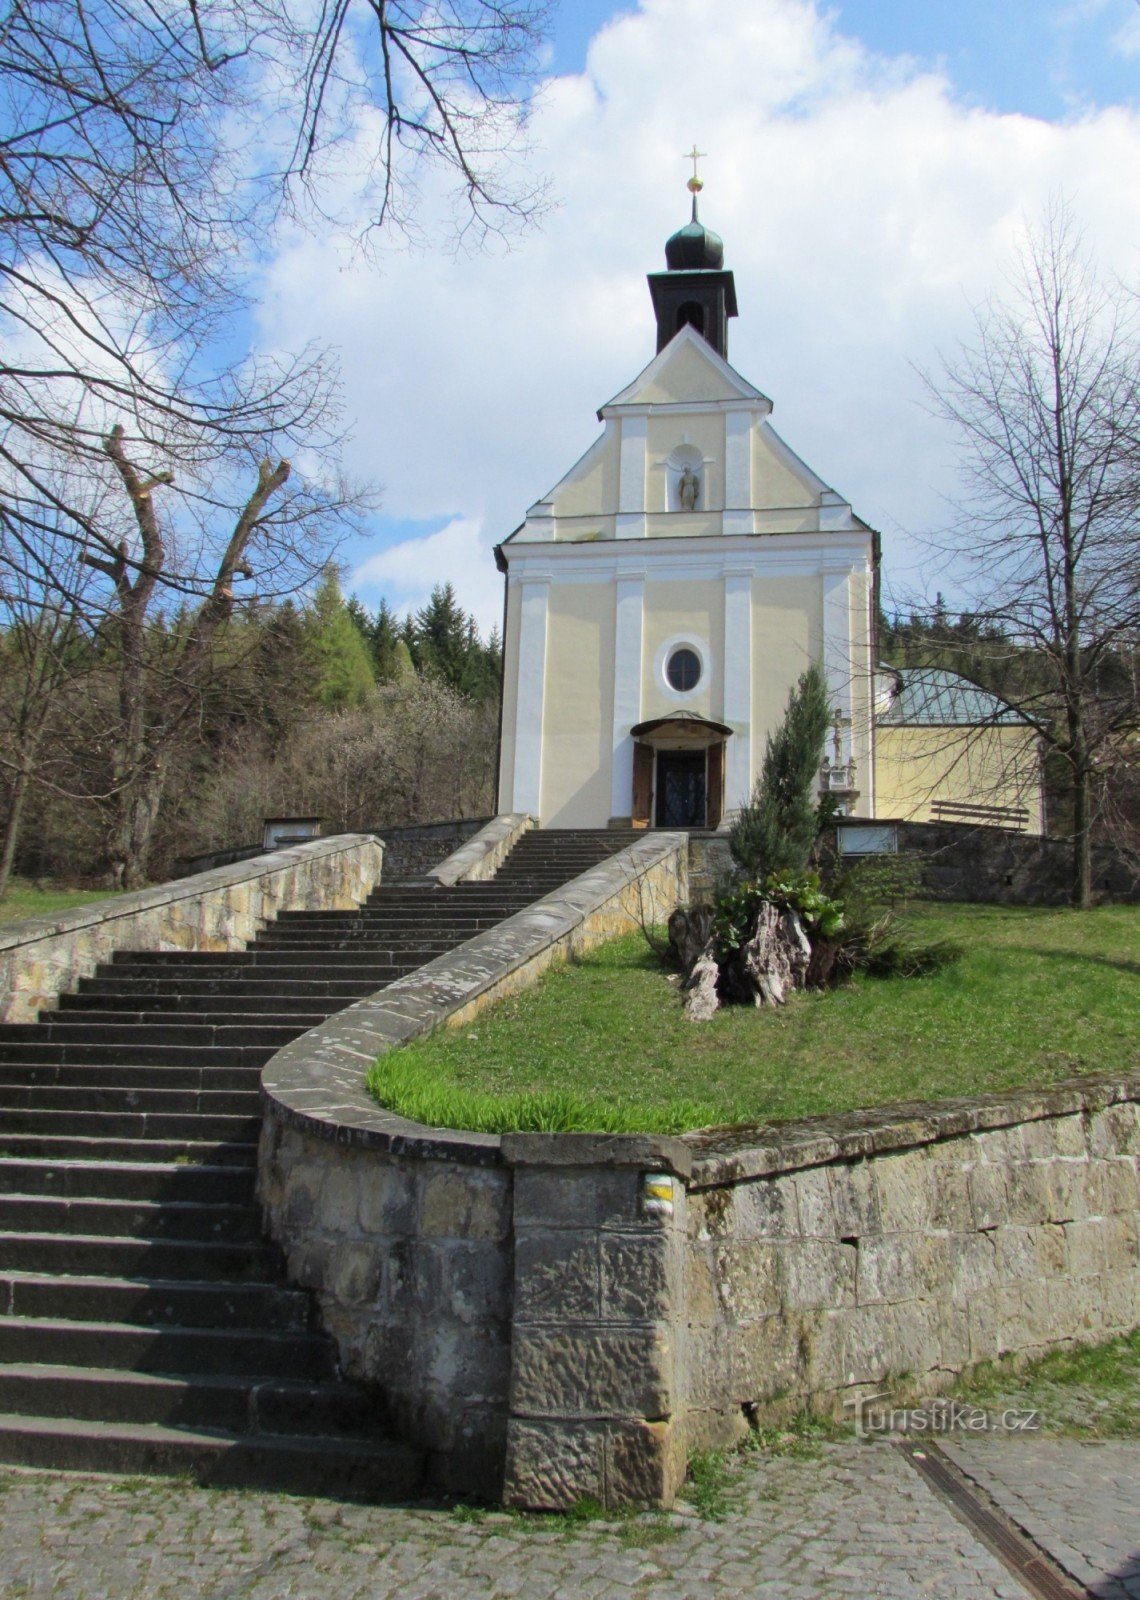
(933, 697)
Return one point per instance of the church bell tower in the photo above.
(695, 290)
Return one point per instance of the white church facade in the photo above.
(667, 593)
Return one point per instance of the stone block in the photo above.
(464, 1203)
(578, 1198)
(982, 1316)
(747, 1276)
(813, 1204)
(904, 1191)
(712, 1214)
(1084, 1242)
(638, 1278)
(1120, 1242)
(301, 1187)
(592, 1372)
(701, 1298)
(1016, 1253)
(854, 1199)
(766, 1209)
(953, 1336)
(353, 1276)
(339, 1204)
(550, 1466)
(557, 1276)
(479, 1284)
(645, 1463)
(971, 1264)
(890, 1267)
(951, 1209)
(989, 1196)
(1115, 1131)
(386, 1195)
(1029, 1187)
(768, 1359)
(1073, 1188)
(816, 1273)
(1119, 1186)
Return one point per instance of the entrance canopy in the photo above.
(684, 730)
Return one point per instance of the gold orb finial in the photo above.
(696, 182)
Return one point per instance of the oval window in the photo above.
(683, 670)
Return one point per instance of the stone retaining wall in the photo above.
(220, 910)
(407, 1233)
(840, 1254)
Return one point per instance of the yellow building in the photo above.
(665, 596)
(947, 751)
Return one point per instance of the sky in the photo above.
(871, 165)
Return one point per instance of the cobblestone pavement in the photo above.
(1079, 1501)
(855, 1522)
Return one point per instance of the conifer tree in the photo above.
(777, 828)
(337, 649)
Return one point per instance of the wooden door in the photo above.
(714, 788)
(642, 784)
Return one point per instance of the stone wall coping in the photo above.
(723, 1156)
(316, 1082)
(481, 856)
(647, 1152)
(29, 930)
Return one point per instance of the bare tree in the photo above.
(1047, 403)
(145, 152)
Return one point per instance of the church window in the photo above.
(683, 670)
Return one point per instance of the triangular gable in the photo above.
(687, 370)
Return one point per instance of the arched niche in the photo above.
(681, 457)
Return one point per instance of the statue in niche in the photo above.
(688, 489)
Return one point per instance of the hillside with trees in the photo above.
(310, 706)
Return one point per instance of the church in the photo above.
(664, 597)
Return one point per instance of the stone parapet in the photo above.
(481, 856)
(219, 910)
(408, 1234)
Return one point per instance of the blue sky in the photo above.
(872, 166)
(1045, 59)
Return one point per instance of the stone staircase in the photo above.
(146, 1325)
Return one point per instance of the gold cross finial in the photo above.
(696, 183)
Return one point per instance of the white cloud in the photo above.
(863, 206)
(406, 573)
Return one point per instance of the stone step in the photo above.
(371, 968)
(123, 1346)
(342, 962)
(120, 1126)
(85, 1075)
(216, 1401)
(173, 1102)
(143, 1055)
(193, 1154)
(298, 1464)
(95, 1028)
(300, 986)
(156, 1302)
(304, 1012)
(121, 1180)
(78, 1254)
(197, 1221)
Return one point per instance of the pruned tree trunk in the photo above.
(775, 960)
(701, 988)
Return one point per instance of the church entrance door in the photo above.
(680, 789)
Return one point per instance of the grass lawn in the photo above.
(1038, 995)
(25, 900)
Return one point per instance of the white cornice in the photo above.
(684, 559)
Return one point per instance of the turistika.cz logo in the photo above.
(875, 1415)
